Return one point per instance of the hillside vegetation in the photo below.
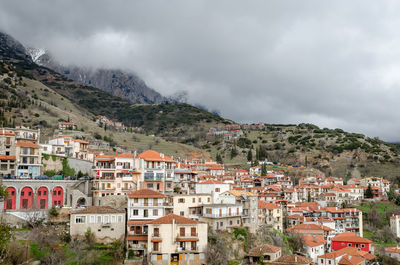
(28, 102)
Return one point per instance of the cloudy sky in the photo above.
(331, 63)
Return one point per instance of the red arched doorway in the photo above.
(26, 198)
(10, 203)
(58, 195)
(42, 198)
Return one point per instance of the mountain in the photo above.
(117, 82)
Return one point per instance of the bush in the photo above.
(53, 212)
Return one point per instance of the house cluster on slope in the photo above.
(164, 207)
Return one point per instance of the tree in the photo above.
(53, 212)
(219, 159)
(250, 155)
(309, 197)
(368, 193)
(263, 170)
(234, 152)
(89, 236)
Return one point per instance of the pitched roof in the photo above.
(313, 241)
(98, 210)
(170, 218)
(211, 181)
(7, 157)
(151, 155)
(267, 205)
(3, 132)
(146, 193)
(238, 193)
(309, 227)
(351, 237)
(352, 251)
(293, 259)
(80, 141)
(27, 144)
(260, 250)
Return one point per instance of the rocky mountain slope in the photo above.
(116, 82)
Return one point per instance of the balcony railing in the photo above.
(186, 249)
(137, 246)
(187, 235)
(151, 204)
(222, 215)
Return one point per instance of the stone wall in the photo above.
(81, 165)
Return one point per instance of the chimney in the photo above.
(315, 238)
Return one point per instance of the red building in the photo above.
(10, 202)
(350, 239)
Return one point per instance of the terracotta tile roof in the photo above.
(8, 157)
(293, 259)
(168, 219)
(351, 237)
(313, 241)
(267, 205)
(261, 250)
(98, 210)
(393, 249)
(80, 141)
(27, 144)
(151, 155)
(125, 155)
(103, 158)
(309, 227)
(146, 193)
(211, 181)
(352, 251)
(3, 132)
(238, 193)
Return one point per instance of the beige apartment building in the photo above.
(106, 223)
(174, 239)
(7, 153)
(190, 205)
(270, 214)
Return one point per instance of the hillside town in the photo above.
(165, 209)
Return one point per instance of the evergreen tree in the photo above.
(233, 152)
(368, 193)
(250, 156)
(219, 159)
(263, 170)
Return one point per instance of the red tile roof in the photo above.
(3, 132)
(261, 250)
(351, 237)
(98, 210)
(151, 155)
(266, 205)
(27, 144)
(170, 218)
(7, 157)
(146, 193)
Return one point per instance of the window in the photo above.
(119, 219)
(208, 199)
(155, 212)
(135, 200)
(146, 213)
(22, 193)
(155, 246)
(199, 199)
(193, 231)
(349, 244)
(113, 219)
(80, 219)
(135, 212)
(217, 189)
(39, 193)
(208, 211)
(99, 219)
(221, 224)
(105, 218)
(132, 228)
(193, 200)
(181, 200)
(182, 213)
(230, 222)
(92, 218)
(156, 231)
(362, 245)
(182, 231)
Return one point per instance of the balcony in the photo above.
(105, 224)
(151, 204)
(222, 215)
(187, 249)
(187, 235)
(137, 246)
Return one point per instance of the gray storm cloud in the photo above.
(333, 64)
